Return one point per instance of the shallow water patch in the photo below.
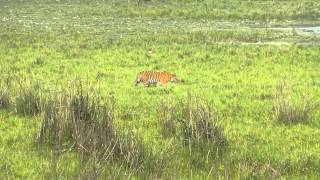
(313, 29)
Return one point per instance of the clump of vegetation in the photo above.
(87, 121)
(167, 118)
(193, 120)
(4, 99)
(200, 122)
(28, 99)
(38, 61)
(5, 95)
(288, 111)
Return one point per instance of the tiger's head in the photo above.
(173, 78)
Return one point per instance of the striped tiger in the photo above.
(153, 77)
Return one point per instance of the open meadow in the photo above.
(246, 104)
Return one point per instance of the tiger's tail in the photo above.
(138, 80)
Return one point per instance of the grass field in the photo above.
(246, 105)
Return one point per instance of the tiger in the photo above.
(153, 77)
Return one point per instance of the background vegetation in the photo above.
(246, 104)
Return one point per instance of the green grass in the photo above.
(19, 154)
(223, 52)
(222, 10)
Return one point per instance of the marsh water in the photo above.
(314, 29)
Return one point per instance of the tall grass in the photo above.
(87, 121)
(193, 120)
(27, 99)
(79, 117)
(287, 110)
(5, 94)
(167, 118)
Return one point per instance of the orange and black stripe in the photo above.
(153, 77)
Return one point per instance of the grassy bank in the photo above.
(274, 11)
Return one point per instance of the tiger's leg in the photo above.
(153, 82)
(146, 84)
(164, 83)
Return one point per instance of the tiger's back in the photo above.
(153, 77)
